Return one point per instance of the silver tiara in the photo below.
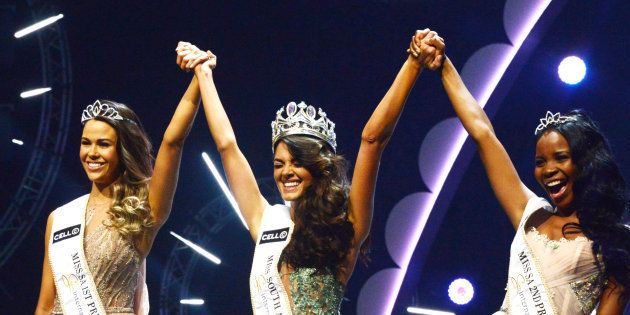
(100, 110)
(302, 119)
(552, 119)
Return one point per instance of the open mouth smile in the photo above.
(95, 166)
(290, 186)
(556, 188)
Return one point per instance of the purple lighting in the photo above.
(520, 16)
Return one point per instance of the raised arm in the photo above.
(510, 191)
(239, 174)
(376, 133)
(166, 170)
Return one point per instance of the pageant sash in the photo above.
(526, 289)
(76, 290)
(265, 284)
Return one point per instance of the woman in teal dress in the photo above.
(306, 251)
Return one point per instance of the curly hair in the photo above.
(322, 235)
(129, 213)
(600, 200)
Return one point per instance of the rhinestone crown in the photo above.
(303, 119)
(552, 119)
(99, 110)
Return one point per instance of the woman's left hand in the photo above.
(428, 48)
(189, 56)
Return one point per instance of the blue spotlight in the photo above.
(572, 70)
(461, 291)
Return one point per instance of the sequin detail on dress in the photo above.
(114, 263)
(587, 291)
(313, 293)
(570, 270)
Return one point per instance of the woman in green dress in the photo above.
(306, 250)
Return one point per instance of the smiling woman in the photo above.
(570, 259)
(96, 245)
(98, 152)
(555, 170)
(306, 251)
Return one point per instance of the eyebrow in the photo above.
(99, 139)
(537, 156)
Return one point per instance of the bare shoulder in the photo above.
(49, 223)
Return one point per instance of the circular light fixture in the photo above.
(461, 291)
(572, 70)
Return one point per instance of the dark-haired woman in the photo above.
(306, 252)
(571, 258)
(96, 245)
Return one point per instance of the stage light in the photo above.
(223, 186)
(34, 92)
(17, 141)
(41, 24)
(572, 70)
(426, 311)
(198, 249)
(191, 301)
(461, 291)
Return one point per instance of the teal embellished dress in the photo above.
(313, 293)
(287, 290)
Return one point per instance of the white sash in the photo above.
(76, 290)
(526, 290)
(265, 284)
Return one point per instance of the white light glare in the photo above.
(461, 291)
(17, 141)
(191, 301)
(572, 70)
(34, 92)
(426, 311)
(223, 186)
(198, 249)
(41, 24)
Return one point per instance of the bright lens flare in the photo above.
(572, 70)
(224, 187)
(39, 25)
(191, 301)
(34, 92)
(461, 291)
(198, 249)
(426, 311)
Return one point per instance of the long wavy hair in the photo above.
(322, 234)
(129, 212)
(600, 198)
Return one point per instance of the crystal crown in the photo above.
(303, 119)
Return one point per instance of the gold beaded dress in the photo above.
(115, 265)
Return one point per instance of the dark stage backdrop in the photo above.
(341, 56)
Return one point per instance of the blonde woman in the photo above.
(96, 245)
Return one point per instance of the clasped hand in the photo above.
(189, 57)
(428, 48)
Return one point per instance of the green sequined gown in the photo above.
(313, 293)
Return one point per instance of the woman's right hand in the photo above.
(428, 48)
(209, 63)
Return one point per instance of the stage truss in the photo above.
(41, 172)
